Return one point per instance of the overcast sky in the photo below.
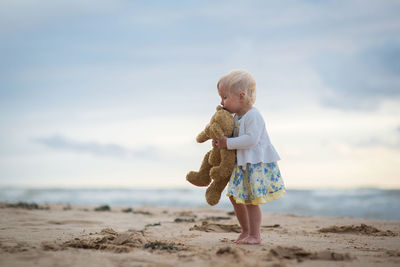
(113, 93)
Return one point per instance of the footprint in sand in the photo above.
(107, 239)
(216, 227)
(179, 220)
(14, 247)
(300, 254)
(362, 229)
(74, 222)
(215, 218)
(230, 251)
(113, 241)
(186, 214)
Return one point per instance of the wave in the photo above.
(362, 203)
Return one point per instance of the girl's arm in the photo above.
(253, 126)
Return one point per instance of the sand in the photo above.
(64, 235)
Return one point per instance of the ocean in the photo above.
(361, 203)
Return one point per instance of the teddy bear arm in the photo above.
(216, 130)
(202, 137)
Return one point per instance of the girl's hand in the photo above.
(221, 143)
(214, 143)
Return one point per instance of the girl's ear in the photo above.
(242, 95)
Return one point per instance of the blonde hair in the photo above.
(238, 81)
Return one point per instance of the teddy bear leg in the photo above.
(202, 177)
(215, 157)
(225, 168)
(214, 191)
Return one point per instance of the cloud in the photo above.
(104, 150)
(380, 142)
(27, 14)
(391, 140)
(361, 80)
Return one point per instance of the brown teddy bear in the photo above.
(217, 163)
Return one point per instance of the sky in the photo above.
(113, 93)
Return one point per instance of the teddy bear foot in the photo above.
(212, 196)
(197, 180)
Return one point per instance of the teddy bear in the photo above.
(218, 163)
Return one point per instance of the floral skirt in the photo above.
(257, 184)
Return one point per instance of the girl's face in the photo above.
(231, 101)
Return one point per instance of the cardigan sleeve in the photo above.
(253, 126)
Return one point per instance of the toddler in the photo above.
(256, 178)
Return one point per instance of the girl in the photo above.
(256, 178)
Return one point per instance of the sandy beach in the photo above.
(65, 235)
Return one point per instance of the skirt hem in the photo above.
(260, 199)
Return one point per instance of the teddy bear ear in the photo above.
(219, 108)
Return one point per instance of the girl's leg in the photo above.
(255, 217)
(243, 218)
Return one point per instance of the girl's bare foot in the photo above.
(250, 240)
(241, 237)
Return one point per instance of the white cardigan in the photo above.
(253, 144)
